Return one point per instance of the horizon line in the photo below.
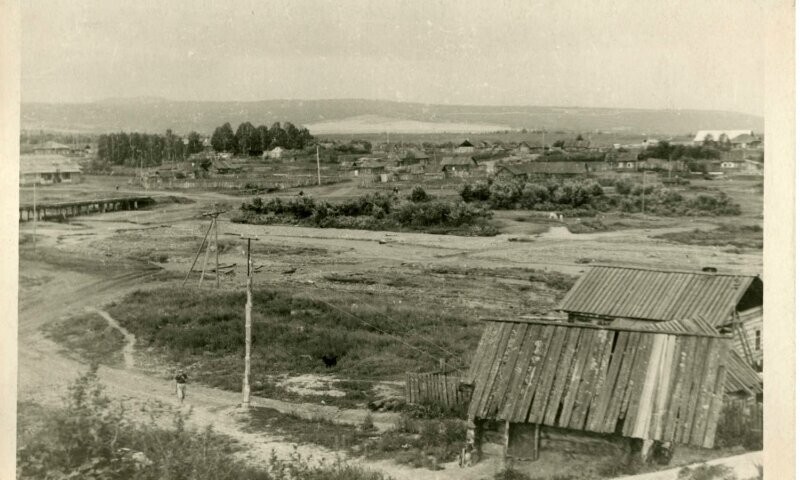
(111, 100)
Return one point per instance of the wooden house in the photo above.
(458, 166)
(53, 148)
(413, 157)
(465, 147)
(626, 296)
(539, 378)
(48, 170)
(559, 168)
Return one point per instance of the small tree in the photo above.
(418, 194)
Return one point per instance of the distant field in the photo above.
(377, 124)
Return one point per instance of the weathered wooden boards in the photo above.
(436, 388)
(658, 385)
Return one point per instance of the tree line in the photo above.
(251, 140)
(145, 149)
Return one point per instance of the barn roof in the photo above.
(666, 386)
(29, 164)
(656, 294)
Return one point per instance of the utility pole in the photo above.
(319, 178)
(248, 327)
(213, 215)
(34, 214)
(643, 182)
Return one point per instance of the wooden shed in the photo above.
(665, 385)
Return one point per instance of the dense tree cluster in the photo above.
(668, 151)
(144, 149)
(251, 140)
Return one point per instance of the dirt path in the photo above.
(130, 339)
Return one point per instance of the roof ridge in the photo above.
(660, 270)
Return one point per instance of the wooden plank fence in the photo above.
(437, 388)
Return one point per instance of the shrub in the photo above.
(418, 194)
(707, 472)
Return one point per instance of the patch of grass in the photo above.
(736, 236)
(707, 472)
(555, 280)
(590, 225)
(416, 442)
(90, 336)
(293, 332)
(357, 279)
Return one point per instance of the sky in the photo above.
(667, 54)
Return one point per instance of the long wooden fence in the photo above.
(438, 388)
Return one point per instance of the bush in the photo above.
(377, 211)
(736, 429)
(418, 194)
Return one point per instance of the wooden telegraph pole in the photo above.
(248, 327)
(319, 177)
(213, 225)
(35, 181)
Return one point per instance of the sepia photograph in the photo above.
(399, 240)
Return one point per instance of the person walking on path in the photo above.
(180, 385)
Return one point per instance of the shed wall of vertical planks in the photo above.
(653, 384)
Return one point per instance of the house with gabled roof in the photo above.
(465, 147)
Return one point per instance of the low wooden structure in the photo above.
(61, 210)
(444, 389)
(664, 385)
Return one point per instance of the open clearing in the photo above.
(96, 261)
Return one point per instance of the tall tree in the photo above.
(247, 139)
(264, 137)
(223, 139)
(278, 136)
(195, 144)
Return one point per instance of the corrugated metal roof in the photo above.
(656, 295)
(29, 164)
(661, 386)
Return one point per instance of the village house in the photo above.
(465, 147)
(413, 157)
(660, 164)
(623, 296)
(746, 141)
(54, 148)
(542, 383)
(369, 166)
(458, 166)
(527, 171)
(48, 170)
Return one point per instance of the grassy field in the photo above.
(370, 325)
(418, 442)
(735, 237)
(90, 337)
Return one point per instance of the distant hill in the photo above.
(150, 114)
